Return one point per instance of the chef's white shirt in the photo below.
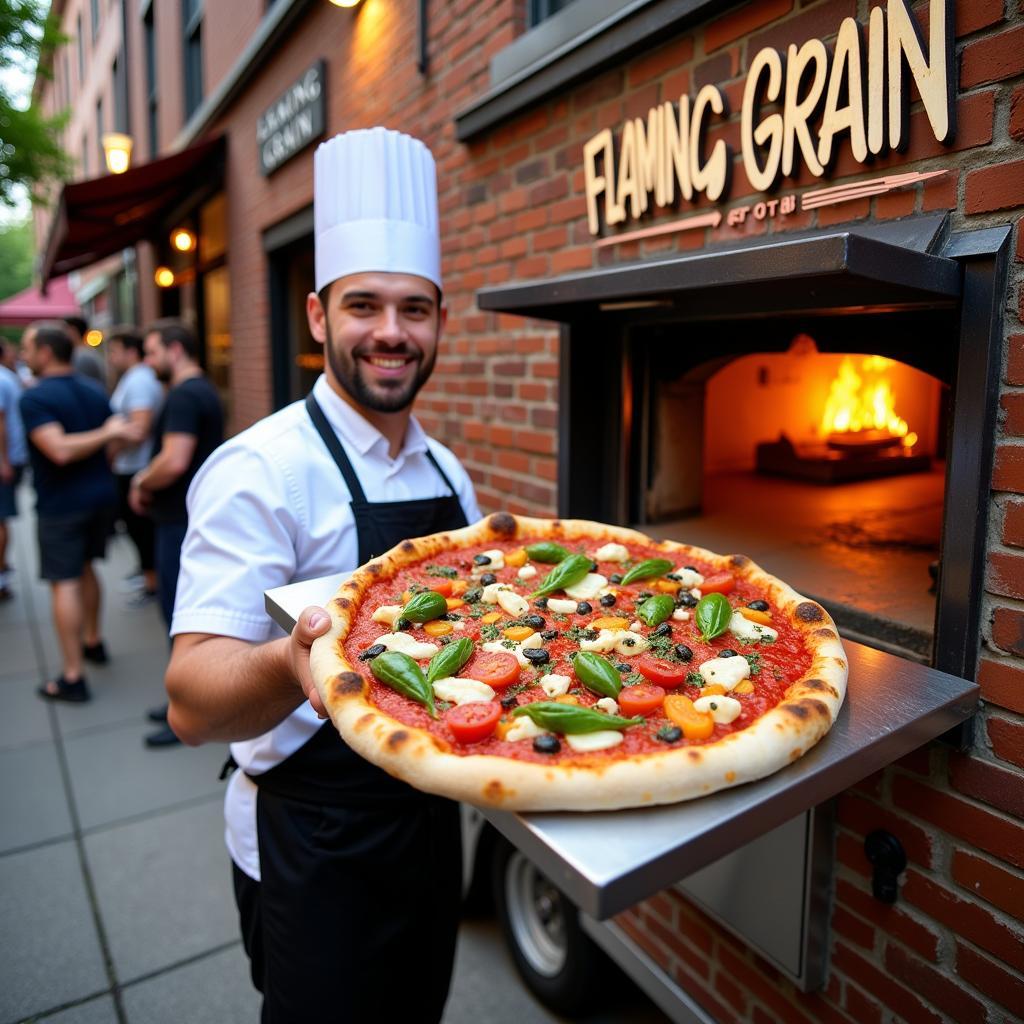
(270, 507)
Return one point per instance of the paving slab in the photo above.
(114, 776)
(17, 651)
(96, 1011)
(24, 716)
(33, 804)
(214, 990)
(51, 955)
(164, 884)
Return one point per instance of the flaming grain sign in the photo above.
(812, 97)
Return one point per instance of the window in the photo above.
(192, 23)
(99, 131)
(81, 50)
(85, 156)
(541, 10)
(119, 76)
(149, 33)
(94, 13)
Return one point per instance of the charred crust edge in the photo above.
(374, 568)
(739, 561)
(808, 611)
(825, 634)
(348, 684)
(820, 686)
(806, 708)
(343, 602)
(503, 524)
(397, 739)
(408, 547)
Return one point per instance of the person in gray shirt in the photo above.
(13, 454)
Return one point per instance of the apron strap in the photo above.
(441, 472)
(341, 460)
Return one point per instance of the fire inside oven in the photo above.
(821, 456)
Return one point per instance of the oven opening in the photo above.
(825, 467)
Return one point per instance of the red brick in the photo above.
(1007, 739)
(1008, 623)
(967, 918)
(730, 992)
(862, 1009)
(989, 977)
(957, 817)
(1002, 683)
(895, 204)
(1005, 574)
(1000, 787)
(841, 213)
(938, 989)
(1001, 888)
(864, 817)
(852, 928)
(743, 21)
(666, 58)
(571, 259)
(940, 193)
(891, 920)
(821, 22)
(977, 14)
(1014, 371)
(917, 761)
(993, 58)
(1008, 472)
(850, 852)
(996, 188)
(1017, 113)
(1012, 404)
(879, 984)
(782, 1009)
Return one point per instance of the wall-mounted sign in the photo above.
(293, 120)
(795, 106)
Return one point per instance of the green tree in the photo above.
(17, 250)
(30, 152)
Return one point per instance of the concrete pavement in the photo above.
(115, 892)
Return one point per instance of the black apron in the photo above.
(358, 904)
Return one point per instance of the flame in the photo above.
(864, 401)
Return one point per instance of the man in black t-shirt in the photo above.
(190, 426)
(68, 423)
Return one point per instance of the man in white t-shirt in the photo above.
(347, 880)
(138, 397)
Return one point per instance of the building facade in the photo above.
(578, 144)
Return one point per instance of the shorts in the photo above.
(67, 543)
(8, 506)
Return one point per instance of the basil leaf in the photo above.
(568, 718)
(713, 615)
(646, 569)
(404, 676)
(597, 674)
(568, 571)
(450, 659)
(655, 610)
(423, 607)
(546, 551)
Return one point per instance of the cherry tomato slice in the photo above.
(471, 723)
(664, 673)
(641, 699)
(721, 583)
(495, 668)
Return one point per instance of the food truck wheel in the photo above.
(556, 959)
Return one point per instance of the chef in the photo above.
(347, 880)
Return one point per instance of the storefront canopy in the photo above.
(102, 216)
(32, 304)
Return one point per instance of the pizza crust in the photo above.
(782, 735)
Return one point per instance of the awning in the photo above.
(102, 216)
(31, 304)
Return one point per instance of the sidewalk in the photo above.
(116, 904)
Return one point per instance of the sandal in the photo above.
(95, 653)
(61, 689)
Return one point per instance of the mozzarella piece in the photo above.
(489, 595)
(524, 728)
(458, 624)
(600, 740)
(458, 690)
(608, 705)
(603, 642)
(588, 588)
(497, 561)
(697, 593)
(498, 647)
(688, 577)
(554, 685)
(560, 605)
(527, 572)
(742, 628)
(405, 644)
(387, 613)
(721, 708)
(636, 625)
(611, 553)
(513, 603)
(727, 672)
(681, 615)
(628, 643)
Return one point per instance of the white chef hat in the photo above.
(375, 206)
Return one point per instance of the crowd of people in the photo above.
(97, 459)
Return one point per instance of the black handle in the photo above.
(887, 855)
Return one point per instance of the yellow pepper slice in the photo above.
(567, 698)
(516, 558)
(755, 616)
(667, 586)
(696, 725)
(437, 628)
(453, 603)
(518, 632)
(746, 686)
(490, 617)
(609, 622)
(459, 587)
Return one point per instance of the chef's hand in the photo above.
(313, 622)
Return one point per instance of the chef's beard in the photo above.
(389, 396)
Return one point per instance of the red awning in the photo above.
(32, 304)
(102, 216)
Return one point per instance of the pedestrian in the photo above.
(138, 396)
(346, 879)
(84, 359)
(13, 456)
(188, 428)
(68, 423)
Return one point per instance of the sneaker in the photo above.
(158, 715)
(60, 689)
(162, 738)
(96, 653)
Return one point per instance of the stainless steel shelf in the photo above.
(606, 862)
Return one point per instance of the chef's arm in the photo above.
(222, 688)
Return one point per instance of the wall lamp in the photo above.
(164, 277)
(183, 240)
(117, 151)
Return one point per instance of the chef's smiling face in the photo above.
(380, 333)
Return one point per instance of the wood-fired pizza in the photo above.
(534, 664)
